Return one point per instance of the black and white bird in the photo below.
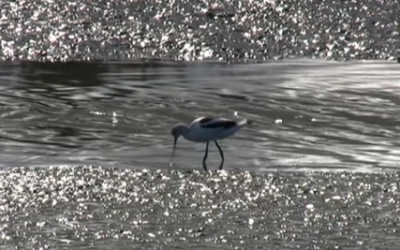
(206, 129)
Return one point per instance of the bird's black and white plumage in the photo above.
(217, 123)
(206, 129)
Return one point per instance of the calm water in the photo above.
(308, 114)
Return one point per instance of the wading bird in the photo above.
(206, 129)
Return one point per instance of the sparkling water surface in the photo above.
(85, 144)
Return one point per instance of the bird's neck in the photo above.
(186, 133)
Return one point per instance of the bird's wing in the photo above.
(217, 123)
(204, 120)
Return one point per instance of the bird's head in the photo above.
(178, 130)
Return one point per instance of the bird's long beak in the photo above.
(173, 150)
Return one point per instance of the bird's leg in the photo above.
(222, 155)
(205, 157)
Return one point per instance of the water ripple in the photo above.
(307, 114)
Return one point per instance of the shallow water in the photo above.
(308, 114)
